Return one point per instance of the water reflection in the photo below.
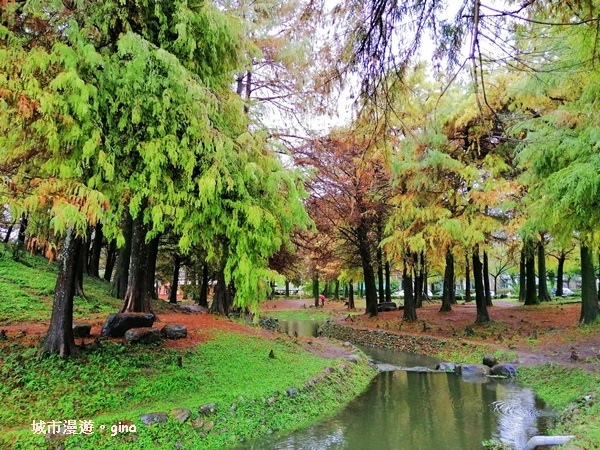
(408, 410)
(302, 328)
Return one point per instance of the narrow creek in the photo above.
(425, 410)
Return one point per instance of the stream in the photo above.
(425, 410)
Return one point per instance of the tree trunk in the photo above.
(22, 230)
(420, 280)
(336, 294)
(8, 233)
(203, 297)
(531, 297)
(388, 282)
(448, 287)
(111, 259)
(175, 282)
(316, 291)
(418, 277)
(136, 298)
(482, 312)
(589, 295)
(410, 311)
(381, 288)
(543, 293)
(560, 274)
(121, 278)
(287, 288)
(81, 266)
(523, 274)
(467, 279)
(59, 338)
(152, 252)
(486, 280)
(222, 295)
(93, 269)
(351, 295)
(364, 251)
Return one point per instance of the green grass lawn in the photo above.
(115, 384)
(27, 283)
(118, 384)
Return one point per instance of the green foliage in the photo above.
(118, 383)
(129, 107)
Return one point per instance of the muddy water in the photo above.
(421, 411)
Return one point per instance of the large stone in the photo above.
(386, 306)
(117, 324)
(81, 330)
(490, 360)
(173, 331)
(504, 370)
(208, 409)
(146, 335)
(473, 370)
(446, 367)
(181, 414)
(152, 418)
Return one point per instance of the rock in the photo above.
(490, 360)
(291, 392)
(152, 418)
(181, 414)
(354, 358)
(194, 309)
(385, 368)
(173, 331)
(208, 426)
(198, 422)
(117, 324)
(142, 336)
(387, 306)
(472, 370)
(207, 409)
(56, 433)
(81, 330)
(504, 370)
(269, 323)
(446, 367)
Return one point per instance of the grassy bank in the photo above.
(117, 384)
(573, 391)
(112, 386)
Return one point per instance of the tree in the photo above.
(349, 192)
(560, 152)
(482, 312)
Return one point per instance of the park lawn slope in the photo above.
(575, 392)
(27, 285)
(118, 384)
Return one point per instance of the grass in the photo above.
(574, 391)
(28, 283)
(118, 384)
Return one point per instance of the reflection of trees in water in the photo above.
(403, 410)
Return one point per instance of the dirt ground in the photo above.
(537, 334)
